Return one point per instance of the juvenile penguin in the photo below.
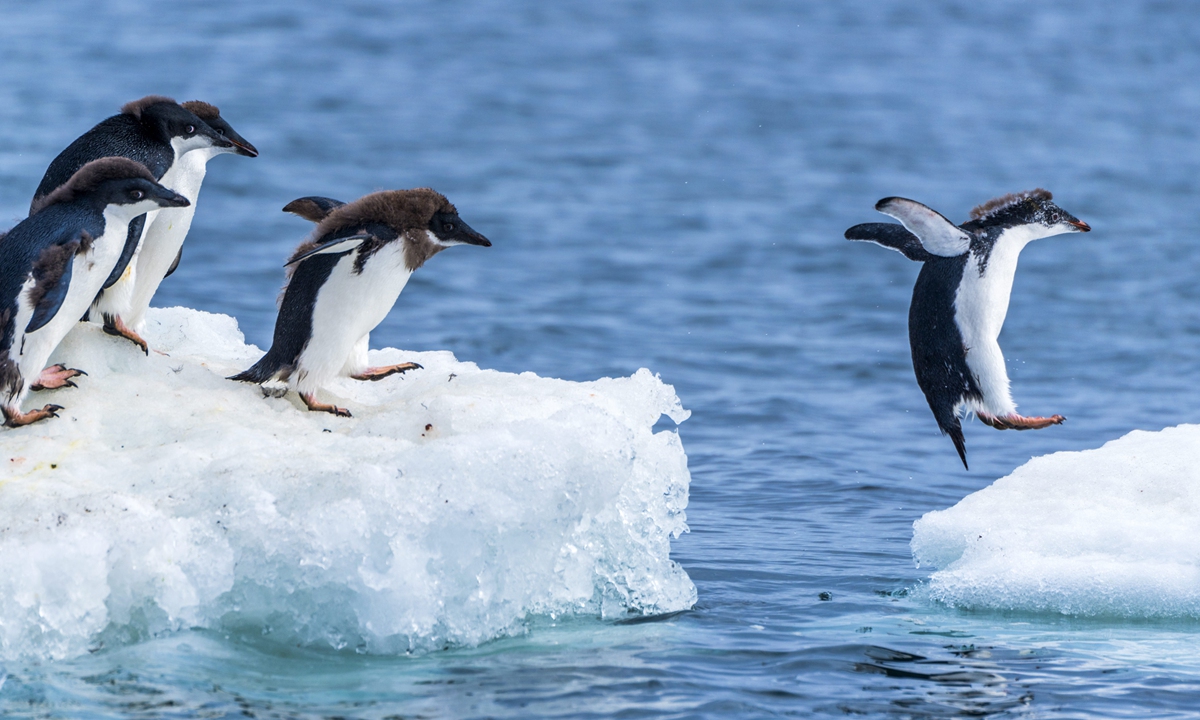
(961, 299)
(54, 262)
(156, 132)
(344, 280)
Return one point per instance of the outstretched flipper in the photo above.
(379, 373)
(893, 236)
(268, 367)
(313, 208)
(938, 235)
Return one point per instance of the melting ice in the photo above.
(1111, 531)
(455, 503)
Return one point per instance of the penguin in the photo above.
(162, 241)
(155, 131)
(54, 262)
(345, 279)
(961, 299)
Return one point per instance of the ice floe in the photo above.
(1113, 531)
(456, 503)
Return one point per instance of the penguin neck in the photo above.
(186, 174)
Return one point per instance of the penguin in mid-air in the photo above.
(345, 279)
(54, 262)
(961, 299)
(157, 132)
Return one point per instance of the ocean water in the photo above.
(666, 186)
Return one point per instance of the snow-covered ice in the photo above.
(1112, 531)
(453, 505)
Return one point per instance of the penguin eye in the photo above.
(220, 131)
(448, 226)
(1054, 218)
(137, 194)
(190, 129)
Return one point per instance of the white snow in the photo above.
(454, 504)
(1113, 531)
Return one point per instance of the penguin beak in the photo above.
(241, 147)
(1083, 227)
(170, 198)
(473, 238)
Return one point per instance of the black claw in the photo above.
(69, 384)
(79, 371)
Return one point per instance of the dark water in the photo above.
(666, 185)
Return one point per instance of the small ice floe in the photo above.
(1113, 531)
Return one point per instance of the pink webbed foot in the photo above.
(56, 376)
(1018, 422)
(16, 418)
(311, 402)
(379, 373)
(116, 326)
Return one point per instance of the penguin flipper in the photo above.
(174, 265)
(893, 236)
(132, 240)
(341, 245)
(52, 279)
(938, 235)
(313, 207)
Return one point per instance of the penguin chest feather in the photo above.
(348, 306)
(981, 306)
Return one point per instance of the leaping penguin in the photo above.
(52, 265)
(344, 280)
(961, 299)
(157, 132)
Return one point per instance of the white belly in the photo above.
(348, 307)
(88, 272)
(980, 308)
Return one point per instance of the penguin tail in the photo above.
(950, 424)
(267, 368)
(960, 443)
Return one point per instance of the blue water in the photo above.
(666, 185)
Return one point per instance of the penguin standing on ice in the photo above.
(54, 262)
(345, 279)
(156, 132)
(961, 299)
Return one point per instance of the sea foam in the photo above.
(1113, 531)
(456, 503)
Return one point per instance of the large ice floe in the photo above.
(1113, 531)
(454, 505)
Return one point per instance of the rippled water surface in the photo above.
(666, 185)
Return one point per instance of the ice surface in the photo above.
(1113, 531)
(455, 503)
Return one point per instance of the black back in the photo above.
(938, 352)
(118, 136)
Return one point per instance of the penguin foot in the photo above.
(379, 373)
(1018, 422)
(116, 326)
(16, 418)
(311, 402)
(56, 376)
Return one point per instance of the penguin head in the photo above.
(446, 228)
(114, 181)
(1034, 212)
(212, 117)
(166, 120)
